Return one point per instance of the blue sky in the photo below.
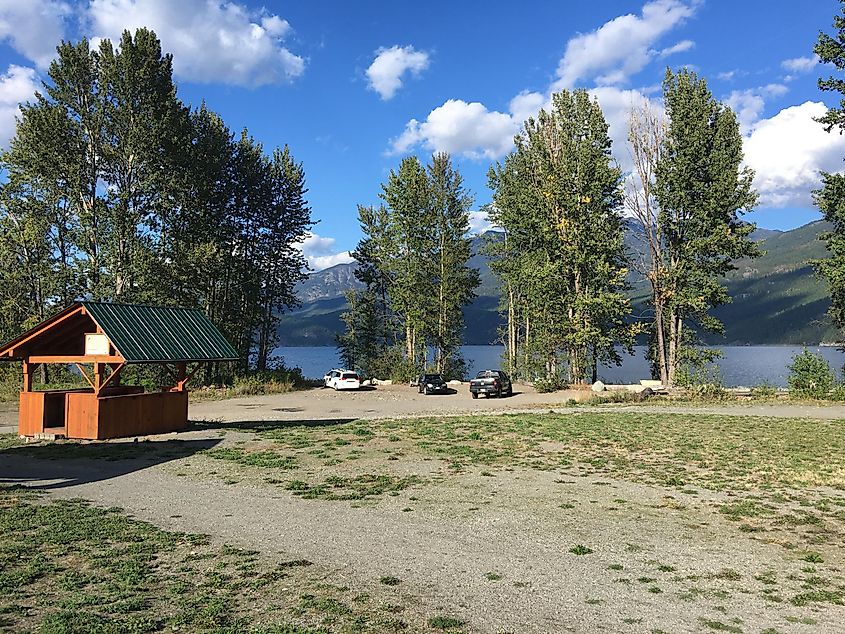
(353, 87)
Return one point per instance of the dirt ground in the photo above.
(392, 401)
(492, 547)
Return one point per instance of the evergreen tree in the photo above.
(831, 197)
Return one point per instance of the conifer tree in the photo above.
(831, 197)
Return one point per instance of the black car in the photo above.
(432, 384)
(491, 383)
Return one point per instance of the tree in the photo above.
(701, 190)
(407, 258)
(413, 261)
(455, 281)
(116, 190)
(557, 196)
(831, 197)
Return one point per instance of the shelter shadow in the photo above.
(60, 465)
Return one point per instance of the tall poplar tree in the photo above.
(701, 190)
(455, 282)
(115, 190)
(413, 261)
(557, 197)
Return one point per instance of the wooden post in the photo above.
(27, 376)
(98, 376)
(115, 378)
(182, 372)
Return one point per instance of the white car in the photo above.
(329, 375)
(343, 380)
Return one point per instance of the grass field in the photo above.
(69, 567)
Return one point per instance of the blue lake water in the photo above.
(740, 365)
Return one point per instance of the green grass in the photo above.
(267, 459)
(351, 488)
(445, 623)
(67, 567)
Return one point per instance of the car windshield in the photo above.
(349, 375)
(432, 377)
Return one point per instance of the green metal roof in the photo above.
(144, 334)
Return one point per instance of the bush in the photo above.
(810, 376)
(764, 390)
(549, 384)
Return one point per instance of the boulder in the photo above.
(598, 386)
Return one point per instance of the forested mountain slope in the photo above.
(777, 299)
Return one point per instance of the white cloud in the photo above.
(527, 104)
(680, 47)
(479, 222)
(800, 64)
(17, 86)
(621, 47)
(748, 104)
(727, 75)
(33, 27)
(210, 41)
(463, 128)
(787, 152)
(321, 252)
(616, 104)
(386, 71)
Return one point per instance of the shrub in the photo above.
(549, 384)
(810, 375)
(764, 390)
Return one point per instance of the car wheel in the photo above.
(474, 394)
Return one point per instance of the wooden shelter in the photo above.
(108, 337)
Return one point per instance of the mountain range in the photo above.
(776, 297)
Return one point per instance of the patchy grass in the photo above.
(684, 450)
(66, 566)
(352, 488)
(267, 459)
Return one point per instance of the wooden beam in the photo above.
(183, 383)
(98, 377)
(114, 376)
(27, 376)
(84, 374)
(58, 358)
(49, 325)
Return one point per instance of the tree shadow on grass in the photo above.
(63, 464)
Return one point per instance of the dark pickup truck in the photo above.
(491, 383)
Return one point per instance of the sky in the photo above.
(353, 87)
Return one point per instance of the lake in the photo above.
(740, 365)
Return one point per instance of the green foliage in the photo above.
(764, 390)
(700, 190)
(831, 197)
(810, 376)
(562, 261)
(549, 384)
(116, 190)
(413, 261)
